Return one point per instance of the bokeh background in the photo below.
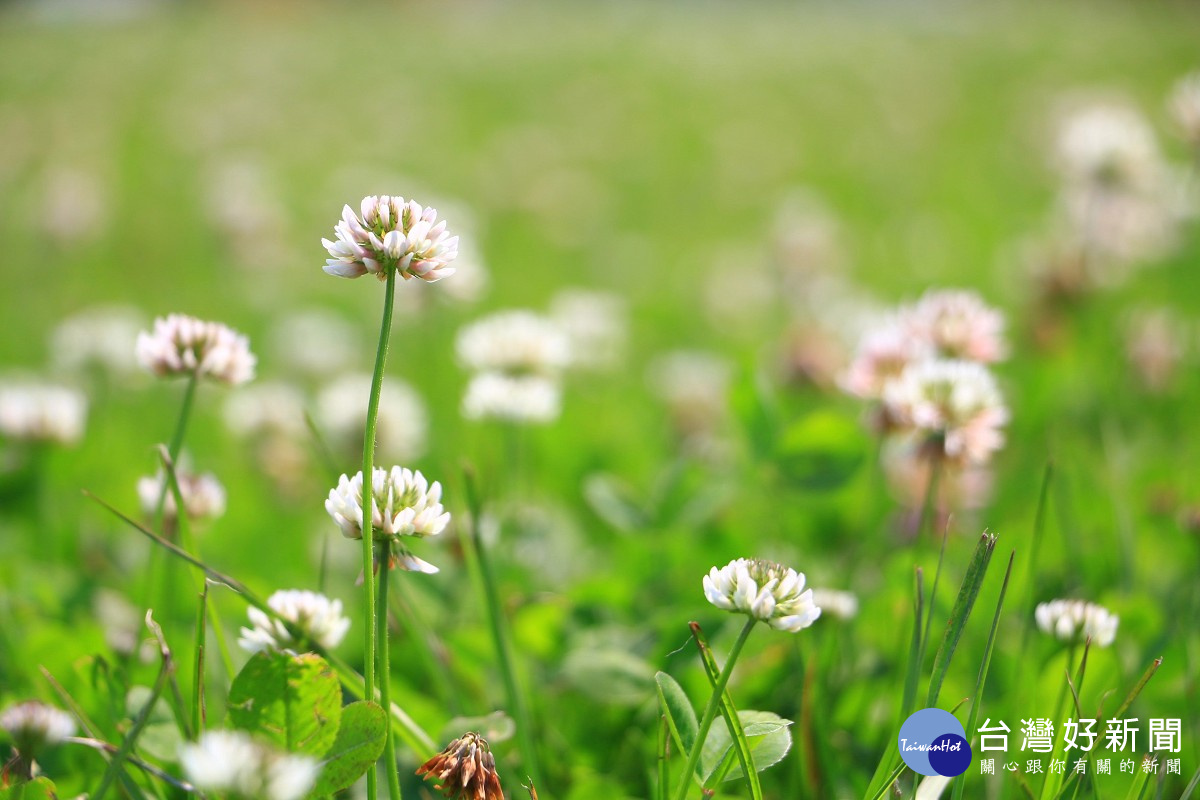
(190, 156)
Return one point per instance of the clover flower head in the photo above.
(883, 353)
(203, 495)
(183, 345)
(526, 399)
(402, 425)
(836, 603)
(105, 336)
(956, 404)
(315, 616)
(1185, 107)
(268, 407)
(765, 591)
(516, 342)
(1108, 144)
(694, 386)
(958, 324)
(40, 412)
(34, 725)
(1076, 620)
(595, 325)
(391, 233)
(232, 762)
(403, 504)
(466, 770)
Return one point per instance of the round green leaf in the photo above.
(293, 701)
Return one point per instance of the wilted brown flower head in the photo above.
(465, 769)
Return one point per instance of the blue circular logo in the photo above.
(933, 742)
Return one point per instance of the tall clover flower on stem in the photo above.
(765, 592)
(390, 237)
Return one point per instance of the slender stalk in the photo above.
(491, 597)
(710, 711)
(385, 672)
(368, 503)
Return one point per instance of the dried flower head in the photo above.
(1076, 620)
(41, 412)
(531, 399)
(391, 233)
(958, 324)
(34, 725)
(315, 617)
(954, 405)
(183, 345)
(203, 495)
(404, 504)
(232, 762)
(1185, 107)
(402, 426)
(465, 770)
(515, 342)
(764, 590)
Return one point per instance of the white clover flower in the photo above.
(516, 341)
(958, 324)
(318, 618)
(401, 428)
(882, 355)
(1076, 620)
(314, 342)
(104, 336)
(1156, 344)
(233, 762)
(34, 725)
(41, 412)
(595, 324)
(534, 399)
(954, 403)
(764, 590)
(836, 603)
(266, 407)
(1185, 107)
(1108, 144)
(694, 385)
(203, 495)
(404, 504)
(183, 345)
(391, 233)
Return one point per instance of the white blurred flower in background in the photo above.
(318, 619)
(1076, 620)
(596, 325)
(183, 345)
(231, 762)
(403, 424)
(101, 336)
(314, 342)
(34, 411)
(203, 495)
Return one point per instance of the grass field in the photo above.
(191, 158)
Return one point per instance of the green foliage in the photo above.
(292, 701)
(359, 742)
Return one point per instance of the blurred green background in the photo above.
(189, 157)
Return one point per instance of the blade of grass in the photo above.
(960, 613)
(890, 754)
(1191, 787)
(198, 685)
(664, 758)
(981, 678)
(1137, 689)
(737, 734)
(412, 733)
(139, 723)
(889, 779)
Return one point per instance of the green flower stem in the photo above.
(368, 503)
(710, 711)
(385, 672)
(491, 597)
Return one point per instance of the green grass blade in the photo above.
(1191, 787)
(737, 734)
(960, 613)
(198, 679)
(664, 757)
(1137, 689)
(981, 679)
